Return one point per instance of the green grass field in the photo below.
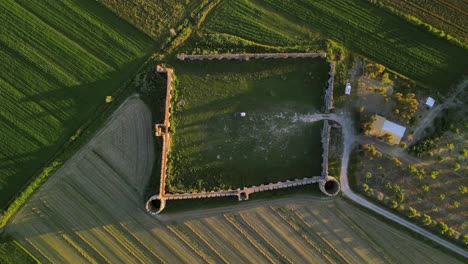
(359, 25)
(211, 149)
(59, 61)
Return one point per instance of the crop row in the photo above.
(448, 15)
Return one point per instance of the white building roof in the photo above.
(393, 128)
(430, 102)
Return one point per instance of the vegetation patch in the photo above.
(213, 147)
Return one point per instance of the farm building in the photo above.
(383, 127)
(429, 102)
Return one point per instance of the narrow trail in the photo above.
(435, 112)
(349, 140)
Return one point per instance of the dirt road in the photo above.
(435, 112)
(350, 140)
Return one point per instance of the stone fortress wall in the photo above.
(327, 184)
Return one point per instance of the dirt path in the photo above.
(393, 151)
(350, 140)
(435, 112)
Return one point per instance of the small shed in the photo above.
(429, 102)
(348, 88)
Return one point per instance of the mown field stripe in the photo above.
(253, 242)
(260, 234)
(284, 232)
(149, 250)
(195, 247)
(227, 233)
(206, 242)
(78, 248)
(292, 223)
(323, 243)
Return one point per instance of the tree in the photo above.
(464, 152)
(450, 146)
(365, 187)
(368, 175)
(456, 166)
(451, 231)
(412, 212)
(463, 189)
(427, 220)
(373, 70)
(394, 204)
(441, 196)
(425, 188)
(443, 227)
(456, 204)
(434, 174)
(465, 239)
(406, 104)
(386, 79)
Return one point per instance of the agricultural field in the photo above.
(91, 211)
(447, 15)
(428, 182)
(211, 149)
(358, 25)
(155, 18)
(54, 76)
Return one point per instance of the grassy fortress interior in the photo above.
(327, 183)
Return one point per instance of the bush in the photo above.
(425, 188)
(412, 212)
(427, 220)
(465, 239)
(463, 189)
(423, 146)
(443, 227)
(365, 187)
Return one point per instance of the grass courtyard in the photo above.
(211, 149)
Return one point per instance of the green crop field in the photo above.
(359, 25)
(447, 15)
(155, 18)
(212, 149)
(59, 61)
